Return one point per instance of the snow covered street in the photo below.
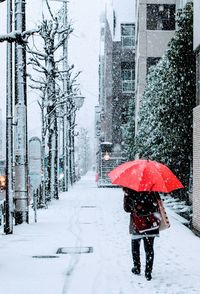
(88, 216)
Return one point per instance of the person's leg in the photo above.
(149, 251)
(135, 244)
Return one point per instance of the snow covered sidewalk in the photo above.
(87, 216)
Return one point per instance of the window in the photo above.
(128, 35)
(128, 78)
(151, 61)
(160, 17)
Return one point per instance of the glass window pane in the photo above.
(161, 17)
(128, 35)
(127, 42)
(126, 74)
(128, 86)
(127, 30)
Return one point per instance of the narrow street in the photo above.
(93, 217)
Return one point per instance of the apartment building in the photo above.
(116, 76)
(155, 26)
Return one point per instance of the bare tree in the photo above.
(53, 96)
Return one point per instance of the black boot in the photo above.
(136, 256)
(136, 270)
(148, 275)
(148, 246)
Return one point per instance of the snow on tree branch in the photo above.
(17, 36)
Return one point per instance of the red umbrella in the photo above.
(145, 175)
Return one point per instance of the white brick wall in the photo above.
(196, 169)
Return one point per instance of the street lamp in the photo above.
(106, 156)
(78, 101)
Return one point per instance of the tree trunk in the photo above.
(43, 171)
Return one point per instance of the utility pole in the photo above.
(21, 158)
(8, 228)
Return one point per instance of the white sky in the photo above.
(83, 53)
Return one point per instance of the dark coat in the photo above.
(144, 203)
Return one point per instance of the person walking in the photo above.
(144, 225)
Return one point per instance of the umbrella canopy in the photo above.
(145, 175)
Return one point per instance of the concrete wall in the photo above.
(196, 129)
(149, 43)
(156, 42)
(196, 169)
(196, 24)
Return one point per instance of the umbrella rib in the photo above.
(159, 173)
(144, 167)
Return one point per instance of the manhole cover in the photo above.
(74, 250)
(45, 256)
(88, 206)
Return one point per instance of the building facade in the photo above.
(116, 79)
(196, 123)
(155, 26)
